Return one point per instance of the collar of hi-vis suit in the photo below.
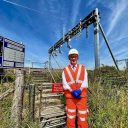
(74, 66)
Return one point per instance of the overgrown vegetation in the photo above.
(108, 106)
(108, 101)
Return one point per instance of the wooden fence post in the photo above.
(17, 105)
(31, 101)
(40, 104)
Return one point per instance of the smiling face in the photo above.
(73, 59)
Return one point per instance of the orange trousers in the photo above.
(77, 108)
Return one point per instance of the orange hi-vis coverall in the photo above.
(73, 80)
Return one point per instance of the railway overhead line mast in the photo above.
(123, 60)
(92, 18)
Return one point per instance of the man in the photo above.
(75, 85)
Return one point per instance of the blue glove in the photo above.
(76, 93)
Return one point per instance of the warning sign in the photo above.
(57, 87)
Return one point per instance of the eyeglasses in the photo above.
(73, 56)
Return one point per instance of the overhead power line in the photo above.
(92, 18)
(19, 5)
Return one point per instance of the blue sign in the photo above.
(11, 53)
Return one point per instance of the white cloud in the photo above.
(22, 6)
(116, 14)
(117, 31)
(121, 37)
(75, 10)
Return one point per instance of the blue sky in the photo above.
(41, 23)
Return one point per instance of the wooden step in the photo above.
(47, 90)
(48, 101)
(51, 95)
(47, 83)
(59, 121)
(40, 75)
(48, 95)
(44, 97)
(49, 120)
(46, 110)
(55, 125)
(58, 105)
(35, 73)
(39, 82)
(51, 115)
(40, 78)
(42, 87)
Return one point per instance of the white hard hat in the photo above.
(73, 51)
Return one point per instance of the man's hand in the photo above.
(76, 93)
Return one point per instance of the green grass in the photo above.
(108, 102)
(5, 112)
(108, 106)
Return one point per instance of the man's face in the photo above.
(73, 59)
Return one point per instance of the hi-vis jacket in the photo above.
(74, 79)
